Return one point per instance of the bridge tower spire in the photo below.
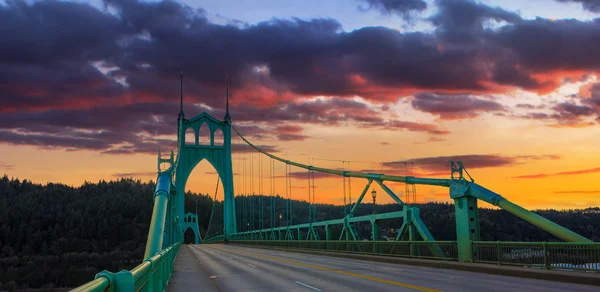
(181, 114)
(227, 117)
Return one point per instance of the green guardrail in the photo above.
(151, 275)
(154, 272)
(413, 249)
(545, 255)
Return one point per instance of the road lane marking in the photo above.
(252, 265)
(351, 274)
(308, 286)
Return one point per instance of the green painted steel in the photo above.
(486, 195)
(159, 214)
(190, 221)
(154, 272)
(190, 153)
(467, 226)
(458, 187)
(169, 222)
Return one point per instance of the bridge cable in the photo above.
(414, 187)
(349, 187)
(272, 210)
(313, 199)
(252, 217)
(309, 200)
(212, 212)
(286, 196)
(291, 202)
(344, 188)
(260, 192)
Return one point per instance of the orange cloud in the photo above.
(574, 172)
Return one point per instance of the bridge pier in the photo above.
(467, 222)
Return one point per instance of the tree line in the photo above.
(55, 235)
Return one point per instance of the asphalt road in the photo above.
(219, 267)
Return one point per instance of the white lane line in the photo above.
(252, 265)
(308, 286)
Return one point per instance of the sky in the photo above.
(90, 91)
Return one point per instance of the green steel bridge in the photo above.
(413, 240)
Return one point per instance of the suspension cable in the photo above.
(349, 187)
(212, 212)
(309, 199)
(381, 177)
(344, 182)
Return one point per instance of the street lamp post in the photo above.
(374, 194)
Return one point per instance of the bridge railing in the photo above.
(546, 255)
(414, 249)
(154, 272)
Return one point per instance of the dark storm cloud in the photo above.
(442, 163)
(463, 20)
(399, 7)
(53, 95)
(565, 114)
(454, 106)
(590, 5)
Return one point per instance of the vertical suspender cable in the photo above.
(344, 189)
(349, 187)
(291, 202)
(308, 179)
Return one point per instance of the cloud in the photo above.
(574, 172)
(463, 20)
(564, 114)
(135, 174)
(402, 8)
(441, 164)
(290, 129)
(291, 137)
(75, 77)
(451, 107)
(6, 166)
(589, 5)
(578, 192)
(303, 175)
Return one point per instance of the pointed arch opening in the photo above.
(189, 237)
(218, 138)
(190, 136)
(200, 191)
(204, 134)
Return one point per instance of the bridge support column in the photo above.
(467, 222)
(375, 235)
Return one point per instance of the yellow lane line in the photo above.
(396, 283)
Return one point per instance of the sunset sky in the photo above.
(90, 91)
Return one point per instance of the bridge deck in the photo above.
(237, 268)
(189, 273)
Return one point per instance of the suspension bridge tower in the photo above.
(191, 153)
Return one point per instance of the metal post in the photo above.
(375, 235)
(467, 227)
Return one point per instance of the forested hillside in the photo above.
(60, 236)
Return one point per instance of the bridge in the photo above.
(250, 247)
